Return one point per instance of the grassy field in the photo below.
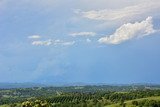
(6, 105)
(129, 103)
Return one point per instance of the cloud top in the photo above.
(129, 31)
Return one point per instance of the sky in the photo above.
(71, 41)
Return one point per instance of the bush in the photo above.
(135, 103)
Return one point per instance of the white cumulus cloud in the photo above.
(40, 42)
(34, 37)
(83, 34)
(53, 42)
(126, 12)
(68, 43)
(129, 31)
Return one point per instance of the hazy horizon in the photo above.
(86, 41)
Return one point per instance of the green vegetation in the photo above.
(142, 102)
(81, 96)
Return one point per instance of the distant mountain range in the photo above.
(20, 85)
(30, 85)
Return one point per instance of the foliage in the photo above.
(78, 96)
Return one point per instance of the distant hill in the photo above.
(97, 85)
(19, 85)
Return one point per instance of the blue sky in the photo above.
(91, 41)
